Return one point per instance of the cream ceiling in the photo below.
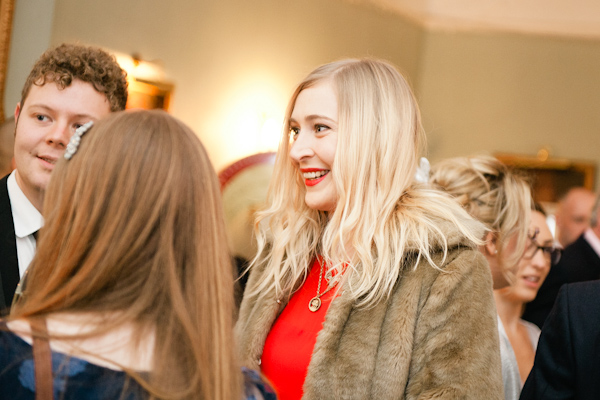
(557, 17)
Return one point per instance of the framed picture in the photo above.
(6, 16)
(148, 95)
(552, 177)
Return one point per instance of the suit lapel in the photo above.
(9, 267)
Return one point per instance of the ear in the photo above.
(490, 244)
(17, 112)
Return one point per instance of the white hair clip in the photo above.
(76, 139)
(422, 174)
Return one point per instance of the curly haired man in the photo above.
(68, 86)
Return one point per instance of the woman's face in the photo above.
(313, 140)
(534, 266)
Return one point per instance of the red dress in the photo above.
(292, 338)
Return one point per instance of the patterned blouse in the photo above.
(75, 378)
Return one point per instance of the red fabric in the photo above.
(292, 338)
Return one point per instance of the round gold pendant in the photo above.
(314, 304)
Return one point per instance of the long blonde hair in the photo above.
(495, 195)
(134, 230)
(381, 218)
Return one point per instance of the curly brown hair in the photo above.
(89, 64)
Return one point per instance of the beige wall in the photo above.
(226, 56)
(32, 27)
(479, 92)
(511, 93)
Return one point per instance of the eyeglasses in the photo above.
(551, 252)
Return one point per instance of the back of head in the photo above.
(134, 227)
(93, 65)
(493, 194)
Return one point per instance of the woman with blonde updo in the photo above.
(366, 285)
(130, 294)
(500, 199)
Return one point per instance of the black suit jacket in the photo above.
(578, 263)
(567, 361)
(9, 264)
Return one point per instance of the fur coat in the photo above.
(434, 338)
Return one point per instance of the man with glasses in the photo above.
(579, 262)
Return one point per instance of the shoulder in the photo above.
(588, 292)
(580, 298)
(533, 331)
(434, 215)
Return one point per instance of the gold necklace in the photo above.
(315, 303)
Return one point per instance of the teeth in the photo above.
(532, 278)
(314, 175)
(48, 160)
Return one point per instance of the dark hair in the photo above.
(93, 65)
(538, 207)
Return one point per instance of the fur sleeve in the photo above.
(456, 351)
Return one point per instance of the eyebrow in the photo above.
(45, 107)
(313, 117)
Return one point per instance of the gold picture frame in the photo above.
(552, 177)
(6, 17)
(149, 94)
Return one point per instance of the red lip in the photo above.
(303, 170)
(313, 182)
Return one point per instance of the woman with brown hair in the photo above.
(132, 277)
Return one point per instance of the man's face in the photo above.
(573, 216)
(44, 127)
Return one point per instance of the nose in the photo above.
(301, 147)
(540, 260)
(59, 135)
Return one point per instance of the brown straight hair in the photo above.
(134, 230)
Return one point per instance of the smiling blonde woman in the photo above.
(366, 284)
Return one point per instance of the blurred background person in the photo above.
(579, 262)
(533, 267)
(573, 214)
(132, 279)
(500, 199)
(567, 360)
(366, 284)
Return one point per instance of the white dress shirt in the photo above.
(27, 220)
(593, 240)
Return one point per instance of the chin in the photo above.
(320, 205)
